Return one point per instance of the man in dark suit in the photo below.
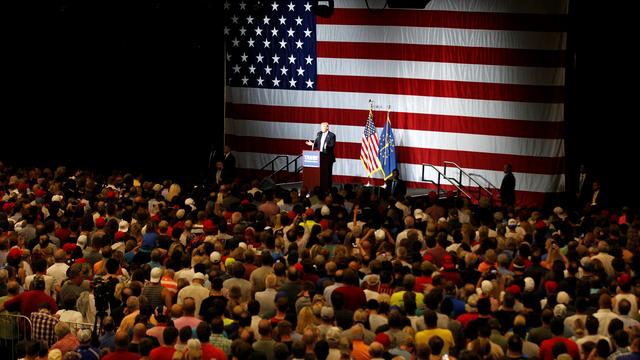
(584, 186)
(508, 187)
(597, 200)
(325, 142)
(222, 175)
(229, 161)
(396, 186)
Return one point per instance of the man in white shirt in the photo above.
(58, 270)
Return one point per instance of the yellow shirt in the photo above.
(422, 337)
(128, 321)
(398, 296)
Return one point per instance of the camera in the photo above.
(102, 292)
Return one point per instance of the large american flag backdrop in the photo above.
(479, 83)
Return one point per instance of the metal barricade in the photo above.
(76, 326)
(16, 328)
(13, 328)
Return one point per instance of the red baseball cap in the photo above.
(15, 253)
(100, 222)
(383, 339)
(513, 289)
(69, 247)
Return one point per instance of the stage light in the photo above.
(407, 4)
(323, 8)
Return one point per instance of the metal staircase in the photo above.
(465, 184)
(279, 172)
(438, 182)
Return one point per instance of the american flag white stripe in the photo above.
(444, 37)
(401, 103)
(496, 74)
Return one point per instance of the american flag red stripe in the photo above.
(446, 54)
(440, 88)
(369, 147)
(478, 83)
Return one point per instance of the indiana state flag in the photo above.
(387, 150)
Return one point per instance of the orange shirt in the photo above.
(484, 266)
(360, 350)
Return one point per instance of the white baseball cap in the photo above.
(215, 257)
(156, 274)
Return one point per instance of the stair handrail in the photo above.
(453, 181)
(297, 169)
(286, 166)
(461, 172)
(441, 176)
(491, 186)
(272, 163)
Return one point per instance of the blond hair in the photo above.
(306, 318)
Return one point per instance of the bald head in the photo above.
(176, 311)
(376, 349)
(264, 328)
(409, 221)
(139, 331)
(469, 289)
(60, 256)
(13, 287)
(357, 333)
(133, 303)
(604, 301)
(189, 306)
(122, 340)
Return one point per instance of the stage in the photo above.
(411, 192)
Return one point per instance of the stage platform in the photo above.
(411, 192)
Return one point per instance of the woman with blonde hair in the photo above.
(174, 190)
(306, 317)
(194, 350)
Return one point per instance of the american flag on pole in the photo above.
(369, 149)
(479, 83)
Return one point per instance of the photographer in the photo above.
(105, 286)
(553, 253)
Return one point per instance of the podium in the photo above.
(315, 169)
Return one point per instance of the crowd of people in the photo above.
(121, 267)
